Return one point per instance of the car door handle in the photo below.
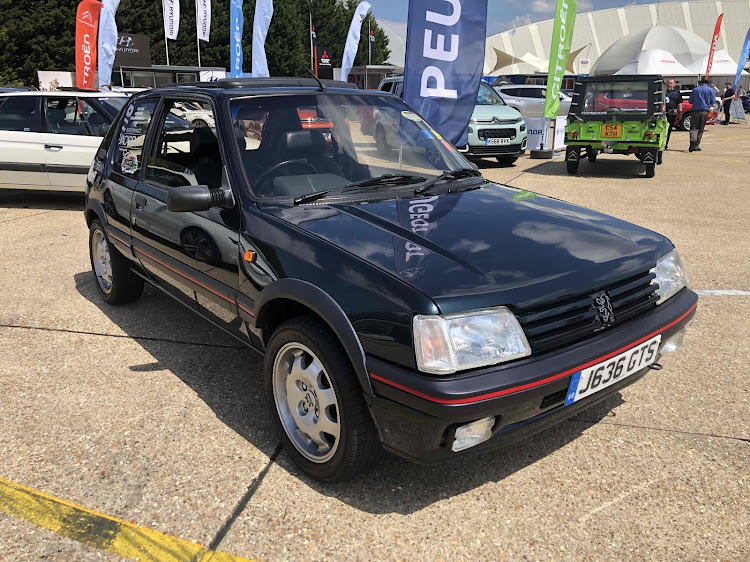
(140, 203)
(53, 146)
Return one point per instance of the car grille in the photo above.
(497, 133)
(552, 327)
(497, 149)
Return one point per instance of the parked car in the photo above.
(617, 115)
(529, 99)
(401, 304)
(495, 130)
(48, 139)
(745, 103)
(192, 112)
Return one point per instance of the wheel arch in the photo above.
(287, 298)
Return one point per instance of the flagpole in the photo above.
(312, 55)
(369, 55)
(197, 37)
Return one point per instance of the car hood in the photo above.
(487, 112)
(487, 247)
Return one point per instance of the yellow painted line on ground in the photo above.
(101, 531)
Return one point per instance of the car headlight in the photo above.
(446, 344)
(523, 126)
(670, 276)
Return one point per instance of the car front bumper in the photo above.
(417, 414)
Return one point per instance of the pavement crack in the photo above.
(663, 429)
(37, 214)
(241, 505)
(127, 337)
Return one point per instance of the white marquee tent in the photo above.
(655, 61)
(723, 65)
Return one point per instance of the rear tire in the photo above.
(506, 160)
(660, 158)
(592, 154)
(316, 404)
(381, 141)
(116, 282)
(650, 170)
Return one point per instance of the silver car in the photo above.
(529, 99)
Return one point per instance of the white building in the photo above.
(525, 50)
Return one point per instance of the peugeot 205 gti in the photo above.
(402, 301)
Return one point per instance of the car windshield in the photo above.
(296, 145)
(487, 96)
(113, 104)
(606, 98)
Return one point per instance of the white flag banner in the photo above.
(107, 41)
(203, 18)
(352, 40)
(261, 23)
(171, 18)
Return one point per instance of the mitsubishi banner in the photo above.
(444, 62)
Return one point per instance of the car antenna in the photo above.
(311, 73)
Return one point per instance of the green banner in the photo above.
(562, 37)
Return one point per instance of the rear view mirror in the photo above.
(196, 198)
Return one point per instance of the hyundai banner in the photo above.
(236, 22)
(352, 39)
(444, 62)
(717, 32)
(87, 23)
(171, 18)
(203, 19)
(742, 60)
(562, 38)
(108, 41)
(261, 23)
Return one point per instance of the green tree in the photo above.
(40, 35)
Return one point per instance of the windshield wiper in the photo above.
(449, 175)
(385, 179)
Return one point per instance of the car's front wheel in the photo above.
(316, 402)
(381, 141)
(116, 282)
(507, 160)
(685, 123)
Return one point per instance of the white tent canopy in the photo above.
(654, 61)
(723, 65)
(685, 48)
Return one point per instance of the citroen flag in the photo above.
(444, 62)
(261, 23)
(107, 41)
(87, 23)
(562, 37)
(743, 59)
(203, 19)
(236, 22)
(171, 18)
(714, 40)
(352, 40)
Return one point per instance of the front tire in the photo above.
(506, 160)
(116, 282)
(381, 142)
(316, 403)
(685, 123)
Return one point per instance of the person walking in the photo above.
(702, 99)
(726, 99)
(674, 102)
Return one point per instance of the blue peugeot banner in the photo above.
(236, 23)
(444, 62)
(742, 60)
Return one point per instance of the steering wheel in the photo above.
(260, 179)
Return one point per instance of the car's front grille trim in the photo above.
(495, 149)
(553, 326)
(496, 133)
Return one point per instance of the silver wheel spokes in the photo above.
(102, 261)
(306, 402)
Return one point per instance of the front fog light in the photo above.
(473, 434)
(673, 343)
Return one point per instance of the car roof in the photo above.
(78, 93)
(525, 86)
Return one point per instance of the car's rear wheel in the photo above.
(116, 282)
(316, 402)
(592, 154)
(659, 158)
(199, 124)
(650, 170)
(507, 160)
(685, 123)
(381, 142)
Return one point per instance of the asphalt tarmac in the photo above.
(137, 427)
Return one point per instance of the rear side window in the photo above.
(64, 116)
(128, 157)
(386, 87)
(18, 113)
(509, 92)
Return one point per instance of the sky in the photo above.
(502, 15)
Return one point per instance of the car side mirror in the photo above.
(198, 198)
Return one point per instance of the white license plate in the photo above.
(490, 142)
(598, 377)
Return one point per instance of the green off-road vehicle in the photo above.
(617, 115)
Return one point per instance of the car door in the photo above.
(21, 146)
(194, 256)
(69, 142)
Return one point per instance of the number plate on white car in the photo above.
(598, 377)
(489, 142)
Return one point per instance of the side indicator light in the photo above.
(249, 256)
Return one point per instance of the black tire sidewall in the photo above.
(126, 285)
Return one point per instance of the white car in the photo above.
(48, 139)
(529, 99)
(194, 113)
